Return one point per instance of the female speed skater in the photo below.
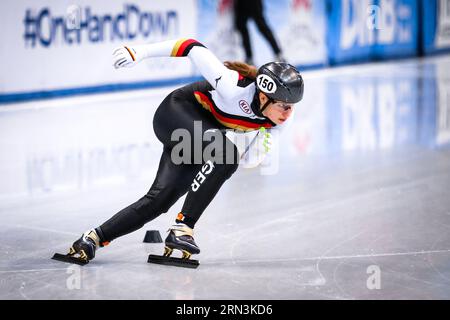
(234, 96)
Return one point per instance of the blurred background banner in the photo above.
(396, 25)
(348, 38)
(57, 48)
(298, 25)
(363, 30)
(57, 45)
(216, 29)
(301, 28)
(436, 25)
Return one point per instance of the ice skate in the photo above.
(82, 250)
(180, 238)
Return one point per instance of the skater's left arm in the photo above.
(212, 69)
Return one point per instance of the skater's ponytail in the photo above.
(244, 69)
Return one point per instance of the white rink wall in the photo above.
(43, 51)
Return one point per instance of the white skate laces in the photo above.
(180, 229)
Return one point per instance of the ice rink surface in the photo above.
(357, 206)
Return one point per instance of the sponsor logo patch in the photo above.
(245, 106)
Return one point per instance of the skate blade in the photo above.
(176, 262)
(69, 259)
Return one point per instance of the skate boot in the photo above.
(82, 250)
(86, 246)
(180, 237)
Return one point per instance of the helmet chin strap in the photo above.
(269, 101)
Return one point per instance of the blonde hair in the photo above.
(244, 69)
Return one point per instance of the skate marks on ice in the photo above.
(34, 228)
(345, 276)
(342, 270)
(281, 275)
(293, 254)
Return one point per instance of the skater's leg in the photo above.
(207, 182)
(171, 182)
(209, 179)
(240, 21)
(263, 27)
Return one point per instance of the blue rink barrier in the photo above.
(347, 41)
(435, 26)
(58, 93)
(365, 30)
(398, 33)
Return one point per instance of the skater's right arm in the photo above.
(212, 69)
